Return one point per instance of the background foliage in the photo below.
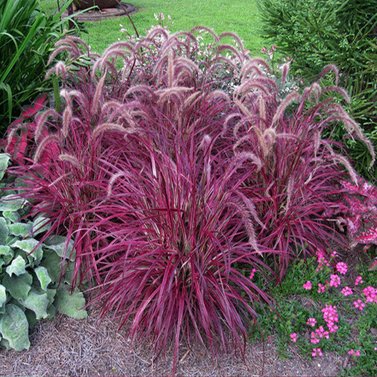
(27, 35)
(341, 32)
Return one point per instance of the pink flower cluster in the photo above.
(330, 316)
(370, 294)
(321, 288)
(311, 322)
(316, 352)
(353, 352)
(359, 280)
(329, 312)
(321, 259)
(308, 285)
(346, 291)
(252, 273)
(342, 268)
(334, 280)
(293, 337)
(358, 304)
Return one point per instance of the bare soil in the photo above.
(66, 347)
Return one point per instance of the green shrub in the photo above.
(315, 33)
(27, 35)
(31, 286)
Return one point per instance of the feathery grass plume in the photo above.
(186, 182)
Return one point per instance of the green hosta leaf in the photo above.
(69, 304)
(4, 232)
(41, 224)
(11, 203)
(18, 286)
(17, 266)
(20, 229)
(14, 328)
(3, 295)
(4, 162)
(58, 244)
(38, 303)
(43, 277)
(11, 216)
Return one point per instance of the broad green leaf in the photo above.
(20, 229)
(18, 286)
(29, 246)
(4, 232)
(51, 312)
(53, 264)
(41, 224)
(43, 277)
(3, 295)
(11, 216)
(17, 266)
(14, 328)
(51, 293)
(69, 304)
(5, 250)
(4, 162)
(37, 302)
(58, 244)
(11, 203)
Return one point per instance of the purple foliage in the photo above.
(178, 173)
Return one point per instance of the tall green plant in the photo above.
(315, 33)
(27, 35)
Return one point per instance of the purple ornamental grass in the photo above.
(175, 184)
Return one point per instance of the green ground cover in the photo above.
(240, 16)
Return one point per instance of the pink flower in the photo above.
(359, 280)
(311, 322)
(334, 281)
(330, 314)
(342, 268)
(355, 353)
(308, 285)
(334, 254)
(332, 327)
(322, 333)
(316, 352)
(358, 304)
(314, 338)
(370, 294)
(321, 288)
(293, 337)
(346, 291)
(252, 273)
(321, 259)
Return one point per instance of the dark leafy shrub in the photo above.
(27, 36)
(177, 173)
(340, 32)
(31, 285)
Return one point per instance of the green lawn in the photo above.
(240, 16)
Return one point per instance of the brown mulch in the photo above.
(69, 348)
